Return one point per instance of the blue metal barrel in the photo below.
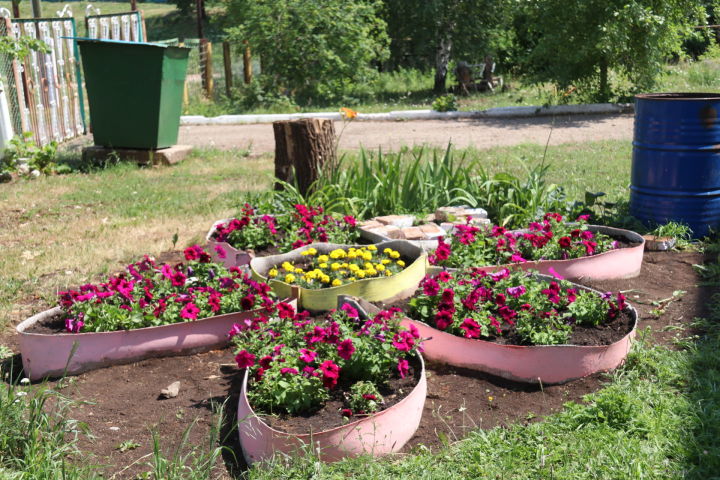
(676, 160)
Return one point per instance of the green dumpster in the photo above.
(135, 92)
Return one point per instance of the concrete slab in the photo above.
(163, 156)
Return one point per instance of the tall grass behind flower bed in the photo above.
(420, 181)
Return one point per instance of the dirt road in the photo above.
(480, 133)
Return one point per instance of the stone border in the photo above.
(491, 113)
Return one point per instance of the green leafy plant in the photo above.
(446, 103)
(24, 156)
(420, 181)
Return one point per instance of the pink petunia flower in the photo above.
(346, 349)
(245, 359)
(403, 367)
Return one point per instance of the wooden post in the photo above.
(308, 145)
(133, 5)
(227, 62)
(247, 64)
(16, 8)
(206, 62)
(36, 9)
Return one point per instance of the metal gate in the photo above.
(44, 89)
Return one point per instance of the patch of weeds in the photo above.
(127, 445)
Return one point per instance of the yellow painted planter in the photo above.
(371, 289)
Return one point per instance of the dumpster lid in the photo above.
(122, 42)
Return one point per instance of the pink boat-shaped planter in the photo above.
(611, 265)
(544, 364)
(379, 434)
(232, 256)
(59, 354)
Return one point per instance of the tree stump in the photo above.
(306, 146)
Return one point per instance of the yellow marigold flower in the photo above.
(325, 279)
(305, 253)
(352, 279)
(380, 267)
(372, 248)
(323, 265)
(385, 261)
(388, 273)
(387, 250)
(337, 282)
(338, 253)
(344, 265)
(273, 273)
(299, 270)
(401, 263)
(312, 251)
(368, 265)
(352, 254)
(354, 268)
(371, 272)
(323, 258)
(335, 266)
(289, 278)
(311, 275)
(360, 274)
(394, 254)
(367, 256)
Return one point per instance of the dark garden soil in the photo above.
(123, 403)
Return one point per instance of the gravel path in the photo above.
(479, 133)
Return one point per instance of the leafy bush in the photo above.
(25, 157)
(579, 43)
(446, 103)
(311, 50)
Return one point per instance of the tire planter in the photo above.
(371, 289)
(611, 265)
(58, 354)
(379, 434)
(233, 256)
(544, 364)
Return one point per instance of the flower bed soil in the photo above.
(329, 415)
(605, 334)
(127, 396)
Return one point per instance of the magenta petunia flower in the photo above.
(285, 310)
(350, 311)
(289, 370)
(346, 349)
(245, 359)
(307, 356)
(471, 328)
(331, 373)
(403, 367)
(190, 311)
(516, 292)
(220, 252)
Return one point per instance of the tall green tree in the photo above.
(580, 42)
(312, 49)
(428, 33)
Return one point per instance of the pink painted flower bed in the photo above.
(338, 384)
(149, 310)
(236, 241)
(575, 251)
(518, 326)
